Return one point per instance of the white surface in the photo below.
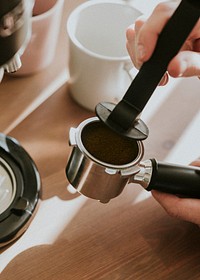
(187, 148)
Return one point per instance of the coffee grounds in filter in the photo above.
(107, 146)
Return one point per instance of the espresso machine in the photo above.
(19, 178)
(95, 174)
(15, 32)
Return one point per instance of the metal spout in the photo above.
(143, 177)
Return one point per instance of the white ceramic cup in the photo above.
(41, 48)
(98, 58)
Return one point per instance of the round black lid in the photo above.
(19, 188)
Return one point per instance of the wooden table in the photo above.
(72, 237)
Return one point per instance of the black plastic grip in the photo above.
(175, 179)
(169, 43)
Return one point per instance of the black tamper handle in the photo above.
(175, 179)
(169, 43)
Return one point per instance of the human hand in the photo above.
(187, 209)
(142, 38)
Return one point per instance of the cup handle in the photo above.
(130, 70)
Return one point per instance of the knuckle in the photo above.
(163, 8)
(141, 19)
(139, 22)
(166, 8)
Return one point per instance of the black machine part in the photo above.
(15, 32)
(169, 178)
(19, 177)
(123, 118)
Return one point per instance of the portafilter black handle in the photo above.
(170, 40)
(171, 178)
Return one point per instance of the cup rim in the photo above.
(77, 43)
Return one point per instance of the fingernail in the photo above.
(140, 52)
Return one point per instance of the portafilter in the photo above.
(103, 162)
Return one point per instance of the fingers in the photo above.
(132, 46)
(185, 64)
(130, 43)
(144, 38)
(197, 43)
(134, 49)
(196, 162)
(181, 208)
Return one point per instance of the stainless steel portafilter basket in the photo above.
(102, 162)
(87, 169)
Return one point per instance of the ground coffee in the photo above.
(107, 146)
